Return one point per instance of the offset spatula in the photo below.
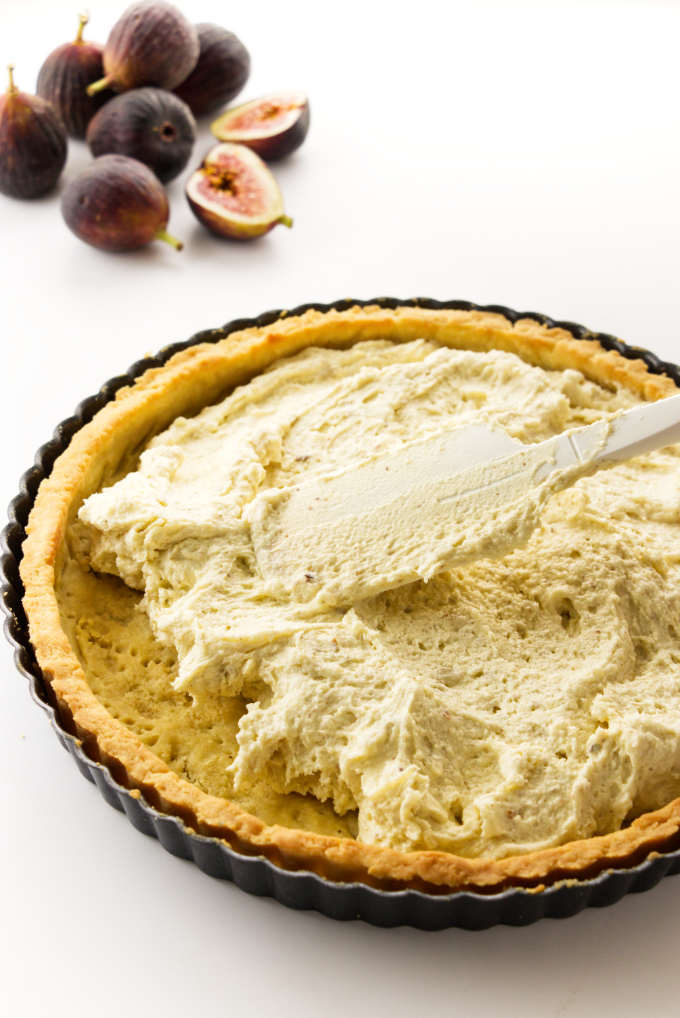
(470, 492)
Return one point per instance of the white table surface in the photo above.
(526, 155)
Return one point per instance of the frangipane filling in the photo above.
(510, 704)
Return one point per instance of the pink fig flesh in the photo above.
(234, 194)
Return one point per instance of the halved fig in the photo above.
(273, 126)
(235, 195)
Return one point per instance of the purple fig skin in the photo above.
(32, 144)
(64, 77)
(253, 204)
(152, 43)
(148, 124)
(221, 72)
(276, 145)
(117, 204)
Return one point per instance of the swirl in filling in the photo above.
(509, 704)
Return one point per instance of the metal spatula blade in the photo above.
(404, 515)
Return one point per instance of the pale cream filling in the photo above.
(510, 704)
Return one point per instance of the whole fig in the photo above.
(117, 204)
(148, 124)
(152, 43)
(32, 143)
(64, 77)
(220, 74)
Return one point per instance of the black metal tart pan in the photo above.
(257, 875)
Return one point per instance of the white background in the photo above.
(518, 154)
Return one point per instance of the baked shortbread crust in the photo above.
(112, 678)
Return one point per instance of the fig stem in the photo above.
(99, 86)
(285, 221)
(12, 87)
(83, 19)
(169, 239)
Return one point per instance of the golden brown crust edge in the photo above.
(201, 375)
